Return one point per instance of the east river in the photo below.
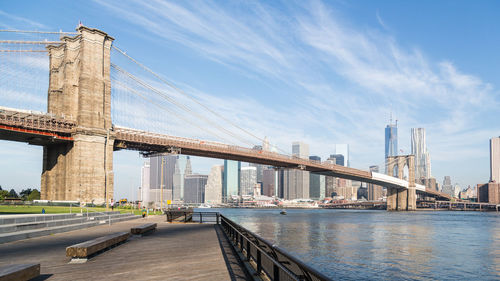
(380, 245)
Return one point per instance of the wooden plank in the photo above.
(143, 228)
(19, 272)
(87, 248)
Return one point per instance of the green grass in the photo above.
(25, 209)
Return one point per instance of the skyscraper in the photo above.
(157, 164)
(194, 188)
(343, 149)
(182, 167)
(316, 183)
(270, 182)
(337, 159)
(422, 157)
(300, 149)
(391, 140)
(447, 187)
(213, 190)
(495, 159)
(231, 182)
(248, 179)
(296, 182)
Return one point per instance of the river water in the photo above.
(381, 245)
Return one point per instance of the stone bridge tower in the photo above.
(80, 89)
(401, 199)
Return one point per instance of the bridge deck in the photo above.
(173, 252)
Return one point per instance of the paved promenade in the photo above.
(173, 252)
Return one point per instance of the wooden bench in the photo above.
(19, 272)
(85, 249)
(142, 229)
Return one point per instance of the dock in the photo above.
(174, 252)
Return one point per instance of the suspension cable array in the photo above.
(213, 112)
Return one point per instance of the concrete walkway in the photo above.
(173, 252)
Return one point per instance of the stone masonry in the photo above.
(402, 199)
(80, 89)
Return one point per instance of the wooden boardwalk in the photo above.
(173, 252)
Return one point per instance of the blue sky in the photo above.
(320, 72)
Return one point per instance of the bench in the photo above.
(86, 249)
(142, 229)
(19, 272)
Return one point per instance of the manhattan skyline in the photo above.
(320, 73)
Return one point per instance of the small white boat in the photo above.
(204, 206)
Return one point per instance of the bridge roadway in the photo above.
(173, 252)
(40, 128)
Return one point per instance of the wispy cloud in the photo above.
(343, 79)
(15, 21)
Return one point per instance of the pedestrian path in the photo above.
(173, 252)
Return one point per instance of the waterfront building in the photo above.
(495, 159)
(248, 179)
(213, 189)
(270, 182)
(194, 188)
(295, 184)
(374, 191)
(182, 167)
(330, 182)
(488, 193)
(422, 157)
(469, 193)
(162, 168)
(316, 183)
(391, 140)
(447, 187)
(231, 181)
(330, 186)
(295, 181)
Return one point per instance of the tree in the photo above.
(13, 194)
(25, 193)
(34, 195)
(3, 194)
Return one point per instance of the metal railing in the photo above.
(35, 120)
(190, 216)
(267, 258)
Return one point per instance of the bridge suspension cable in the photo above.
(179, 105)
(143, 96)
(171, 85)
(37, 32)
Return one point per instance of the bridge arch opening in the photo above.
(405, 172)
(395, 171)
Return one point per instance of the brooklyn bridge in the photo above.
(79, 134)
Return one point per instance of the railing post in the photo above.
(248, 250)
(201, 218)
(217, 215)
(276, 272)
(259, 262)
